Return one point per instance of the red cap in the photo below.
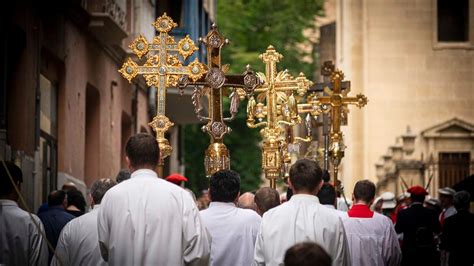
(417, 190)
(176, 178)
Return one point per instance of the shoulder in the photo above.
(276, 211)
(249, 215)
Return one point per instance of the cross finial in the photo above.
(164, 23)
(271, 55)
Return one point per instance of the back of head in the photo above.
(307, 254)
(99, 188)
(327, 194)
(266, 198)
(75, 198)
(462, 200)
(142, 151)
(56, 198)
(224, 186)
(305, 175)
(6, 186)
(246, 201)
(123, 175)
(326, 176)
(69, 186)
(364, 191)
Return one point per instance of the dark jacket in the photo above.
(54, 219)
(458, 238)
(418, 225)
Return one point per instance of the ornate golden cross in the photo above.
(280, 110)
(217, 155)
(162, 69)
(336, 103)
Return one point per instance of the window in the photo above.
(453, 167)
(453, 20)
(92, 149)
(48, 134)
(173, 8)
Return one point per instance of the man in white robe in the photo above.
(301, 219)
(78, 243)
(233, 230)
(147, 220)
(21, 239)
(371, 236)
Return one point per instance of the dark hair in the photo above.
(364, 190)
(462, 200)
(122, 175)
(267, 198)
(6, 186)
(326, 176)
(224, 186)
(307, 254)
(56, 198)
(305, 175)
(75, 198)
(327, 194)
(142, 150)
(99, 188)
(417, 198)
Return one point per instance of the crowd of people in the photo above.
(140, 219)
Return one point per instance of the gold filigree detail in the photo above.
(196, 70)
(139, 46)
(186, 47)
(129, 70)
(164, 23)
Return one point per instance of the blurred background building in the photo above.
(65, 111)
(414, 60)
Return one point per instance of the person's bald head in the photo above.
(246, 201)
(266, 198)
(69, 186)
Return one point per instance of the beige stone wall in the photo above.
(387, 50)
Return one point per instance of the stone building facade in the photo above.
(65, 111)
(414, 60)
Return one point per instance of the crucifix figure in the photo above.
(336, 103)
(162, 69)
(280, 110)
(315, 109)
(217, 155)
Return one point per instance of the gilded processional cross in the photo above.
(217, 155)
(277, 104)
(162, 69)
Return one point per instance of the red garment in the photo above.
(441, 219)
(360, 211)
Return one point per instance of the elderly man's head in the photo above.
(246, 201)
(99, 188)
(265, 199)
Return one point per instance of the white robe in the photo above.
(21, 243)
(78, 243)
(233, 232)
(372, 241)
(301, 219)
(146, 220)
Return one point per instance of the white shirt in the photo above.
(372, 241)
(146, 220)
(448, 212)
(301, 219)
(21, 243)
(341, 204)
(233, 232)
(78, 243)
